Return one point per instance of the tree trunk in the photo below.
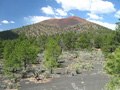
(25, 64)
(51, 71)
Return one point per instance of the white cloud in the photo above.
(61, 12)
(35, 19)
(48, 10)
(58, 17)
(71, 14)
(5, 22)
(94, 16)
(105, 24)
(100, 6)
(74, 4)
(12, 22)
(117, 14)
(95, 6)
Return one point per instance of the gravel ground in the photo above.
(88, 80)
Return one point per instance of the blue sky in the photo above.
(18, 13)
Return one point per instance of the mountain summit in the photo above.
(56, 26)
(65, 22)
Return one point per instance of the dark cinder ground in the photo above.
(88, 80)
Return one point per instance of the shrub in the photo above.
(78, 70)
(47, 74)
(80, 64)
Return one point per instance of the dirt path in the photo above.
(93, 80)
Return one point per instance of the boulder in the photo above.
(73, 73)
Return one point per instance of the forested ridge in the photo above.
(19, 48)
(37, 29)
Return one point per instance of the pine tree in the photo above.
(112, 41)
(18, 54)
(51, 54)
(98, 41)
(112, 67)
(10, 59)
(26, 52)
(112, 64)
(83, 42)
(70, 40)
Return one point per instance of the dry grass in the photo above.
(81, 64)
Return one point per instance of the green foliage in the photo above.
(83, 41)
(112, 41)
(51, 54)
(69, 40)
(77, 69)
(109, 44)
(76, 54)
(117, 32)
(10, 60)
(26, 52)
(98, 41)
(46, 74)
(17, 54)
(112, 67)
(81, 65)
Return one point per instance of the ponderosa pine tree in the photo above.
(69, 40)
(98, 41)
(117, 33)
(83, 42)
(10, 59)
(112, 67)
(112, 64)
(26, 52)
(51, 54)
(18, 53)
(112, 41)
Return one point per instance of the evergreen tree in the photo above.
(10, 59)
(112, 64)
(70, 40)
(51, 54)
(112, 41)
(112, 67)
(83, 41)
(110, 44)
(98, 41)
(26, 52)
(117, 33)
(18, 53)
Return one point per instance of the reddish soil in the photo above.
(65, 22)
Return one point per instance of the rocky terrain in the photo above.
(88, 79)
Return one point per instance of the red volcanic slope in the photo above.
(65, 22)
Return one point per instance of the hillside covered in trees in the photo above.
(56, 26)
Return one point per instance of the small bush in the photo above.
(60, 65)
(47, 74)
(76, 54)
(80, 64)
(78, 70)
